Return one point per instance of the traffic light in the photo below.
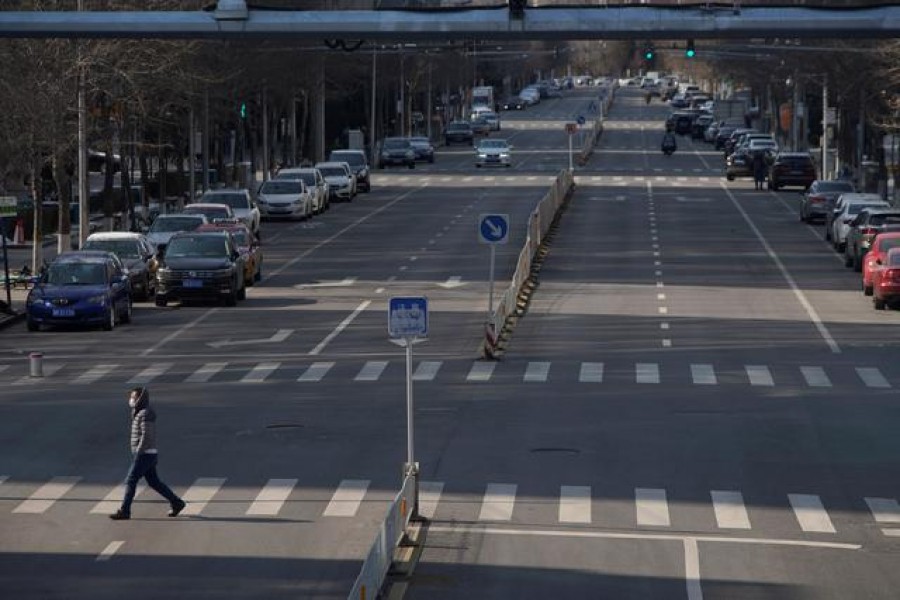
(689, 50)
(649, 52)
(517, 8)
(243, 110)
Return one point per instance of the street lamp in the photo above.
(795, 121)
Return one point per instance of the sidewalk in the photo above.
(19, 255)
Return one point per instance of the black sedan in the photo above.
(513, 103)
(819, 199)
(459, 132)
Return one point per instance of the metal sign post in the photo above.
(7, 208)
(571, 128)
(493, 230)
(408, 325)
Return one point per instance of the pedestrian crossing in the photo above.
(453, 371)
(494, 502)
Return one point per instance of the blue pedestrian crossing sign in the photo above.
(408, 317)
(580, 119)
(493, 229)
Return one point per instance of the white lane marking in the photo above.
(150, 373)
(3, 368)
(798, 293)
(815, 377)
(206, 372)
(272, 497)
(260, 372)
(481, 371)
(498, 502)
(536, 372)
(891, 532)
(347, 498)
(646, 373)
(759, 375)
(663, 310)
(885, 510)
(667, 343)
(341, 326)
(703, 375)
(660, 296)
(651, 507)
(371, 371)
(316, 371)
(379, 290)
(574, 504)
(664, 326)
(872, 377)
(108, 552)
(810, 513)
(692, 569)
(112, 500)
(200, 493)
(429, 496)
(94, 374)
(591, 372)
(660, 284)
(181, 330)
(427, 370)
(48, 371)
(731, 513)
(46, 495)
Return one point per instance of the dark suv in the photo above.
(357, 161)
(792, 168)
(459, 132)
(201, 265)
(397, 151)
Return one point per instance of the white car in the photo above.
(340, 178)
(240, 202)
(530, 96)
(285, 199)
(315, 183)
(846, 208)
(165, 226)
(493, 152)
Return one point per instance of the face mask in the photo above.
(132, 402)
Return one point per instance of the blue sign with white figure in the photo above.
(408, 317)
(493, 229)
(580, 120)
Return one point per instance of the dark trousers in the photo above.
(144, 466)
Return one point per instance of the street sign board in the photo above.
(580, 119)
(408, 317)
(8, 206)
(493, 229)
(571, 128)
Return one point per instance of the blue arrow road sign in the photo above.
(580, 119)
(408, 317)
(493, 229)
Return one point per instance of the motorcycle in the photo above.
(669, 147)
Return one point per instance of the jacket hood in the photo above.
(143, 400)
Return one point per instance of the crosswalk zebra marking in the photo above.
(885, 510)
(575, 504)
(646, 373)
(651, 507)
(371, 371)
(46, 495)
(536, 372)
(49, 370)
(316, 371)
(346, 499)
(731, 513)
(872, 377)
(429, 496)
(272, 497)
(113, 499)
(427, 370)
(481, 371)
(591, 372)
(498, 502)
(94, 374)
(3, 368)
(815, 377)
(200, 493)
(206, 372)
(810, 513)
(759, 375)
(703, 374)
(150, 373)
(260, 372)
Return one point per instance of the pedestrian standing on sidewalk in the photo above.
(143, 448)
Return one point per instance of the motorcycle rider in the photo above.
(668, 142)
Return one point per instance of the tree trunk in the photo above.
(63, 182)
(108, 180)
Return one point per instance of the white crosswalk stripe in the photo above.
(200, 493)
(815, 377)
(113, 499)
(499, 500)
(47, 495)
(427, 370)
(591, 372)
(150, 373)
(316, 371)
(481, 371)
(94, 374)
(730, 510)
(347, 498)
(272, 497)
(703, 374)
(536, 372)
(886, 511)
(646, 373)
(429, 496)
(371, 371)
(651, 507)
(3, 368)
(206, 372)
(260, 372)
(575, 504)
(810, 513)
(759, 375)
(872, 377)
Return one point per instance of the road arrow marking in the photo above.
(279, 336)
(346, 282)
(452, 282)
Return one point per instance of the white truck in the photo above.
(483, 96)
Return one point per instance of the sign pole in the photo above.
(571, 168)
(5, 264)
(491, 283)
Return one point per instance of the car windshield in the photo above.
(284, 186)
(886, 244)
(232, 200)
(121, 248)
(795, 162)
(240, 236)
(834, 186)
(894, 259)
(855, 209)
(888, 219)
(354, 159)
(458, 127)
(332, 171)
(197, 245)
(395, 144)
(493, 145)
(170, 224)
(209, 211)
(74, 273)
(419, 140)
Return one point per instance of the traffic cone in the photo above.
(19, 235)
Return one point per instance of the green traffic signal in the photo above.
(243, 111)
(689, 51)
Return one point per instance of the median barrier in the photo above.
(596, 131)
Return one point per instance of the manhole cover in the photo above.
(570, 451)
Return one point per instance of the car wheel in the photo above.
(878, 303)
(848, 260)
(729, 177)
(258, 275)
(857, 264)
(867, 290)
(231, 298)
(431, 160)
(126, 318)
(161, 300)
(32, 325)
(242, 293)
(774, 187)
(827, 234)
(411, 165)
(111, 320)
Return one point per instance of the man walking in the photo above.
(143, 447)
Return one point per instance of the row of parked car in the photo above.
(210, 250)
(865, 229)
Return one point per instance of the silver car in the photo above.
(240, 202)
(285, 199)
(493, 152)
(165, 226)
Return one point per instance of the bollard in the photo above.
(37, 364)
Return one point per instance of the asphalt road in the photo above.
(699, 402)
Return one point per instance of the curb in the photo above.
(10, 320)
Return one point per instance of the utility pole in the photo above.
(824, 126)
(84, 194)
(265, 134)
(795, 116)
(372, 121)
(205, 139)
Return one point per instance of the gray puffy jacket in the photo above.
(143, 424)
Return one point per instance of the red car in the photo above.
(883, 242)
(886, 280)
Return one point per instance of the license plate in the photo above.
(493, 159)
(192, 283)
(63, 312)
(796, 172)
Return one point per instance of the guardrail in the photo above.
(605, 102)
(371, 577)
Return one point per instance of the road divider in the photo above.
(604, 102)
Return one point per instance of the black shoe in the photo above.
(120, 516)
(177, 508)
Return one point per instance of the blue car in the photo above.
(81, 288)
